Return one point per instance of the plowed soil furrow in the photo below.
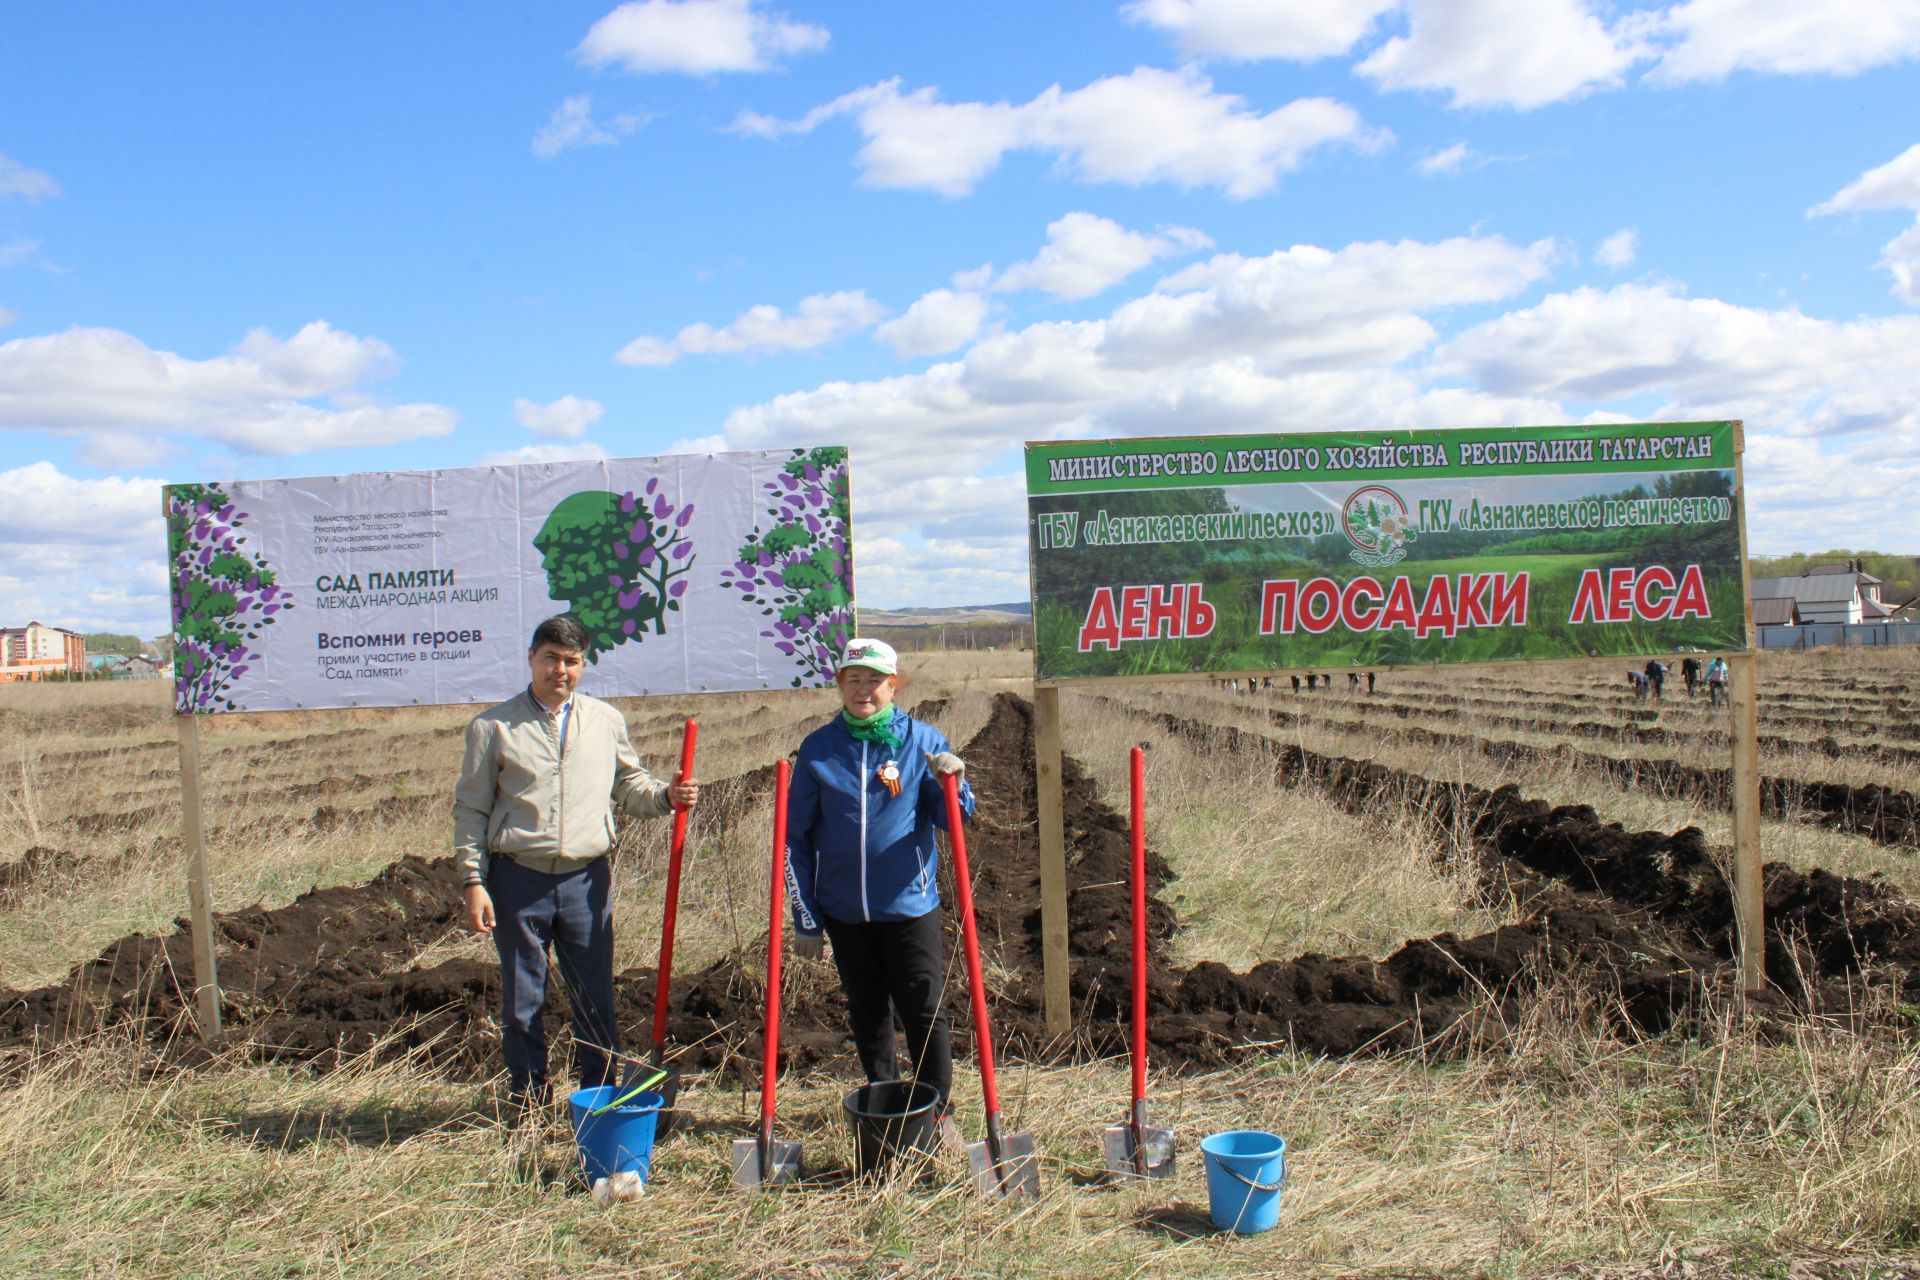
(1775, 711)
(1642, 921)
(1846, 924)
(1639, 728)
(1880, 814)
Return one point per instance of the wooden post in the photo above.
(1053, 858)
(1749, 900)
(206, 977)
(1749, 895)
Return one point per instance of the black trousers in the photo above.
(888, 965)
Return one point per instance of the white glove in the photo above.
(810, 946)
(946, 763)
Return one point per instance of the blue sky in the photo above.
(239, 242)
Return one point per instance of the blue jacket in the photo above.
(855, 851)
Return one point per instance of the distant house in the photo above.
(1775, 611)
(1824, 593)
(121, 666)
(37, 651)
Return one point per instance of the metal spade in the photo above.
(763, 1160)
(667, 1079)
(1005, 1164)
(1136, 1149)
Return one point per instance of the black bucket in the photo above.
(892, 1120)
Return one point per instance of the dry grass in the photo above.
(1266, 872)
(1563, 1152)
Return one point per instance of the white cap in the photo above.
(876, 655)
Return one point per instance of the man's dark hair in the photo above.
(562, 631)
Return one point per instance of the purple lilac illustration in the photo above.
(799, 568)
(224, 597)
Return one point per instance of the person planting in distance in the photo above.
(862, 865)
(532, 826)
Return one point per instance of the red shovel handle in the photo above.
(663, 976)
(976, 986)
(1139, 815)
(770, 1067)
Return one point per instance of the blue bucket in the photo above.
(615, 1141)
(1245, 1171)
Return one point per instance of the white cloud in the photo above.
(18, 250)
(1247, 29)
(818, 320)
(1448, 160)
(95, 381)
(1282, 329)
(82, 553)
(715, 443)
(1712, 39)
(1315, 338)
(1147, 126)
(936, 323)
(123, 450)
(1084, 254)
(528, 454)
(699, 37)
(572, 125)
(1901, 256)
(564, 419)
(7, 316)
(1308, 303)
(18, 180)
(1781, 370)
(1503, 53)
(1893, 185)
(39, 501)
(1618, 250)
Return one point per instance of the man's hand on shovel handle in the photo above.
(683, 795)
(479, 909)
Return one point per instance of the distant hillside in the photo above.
(953, 616)
(974, 626)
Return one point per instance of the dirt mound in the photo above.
(1640, 920)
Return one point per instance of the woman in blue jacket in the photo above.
(863, 867)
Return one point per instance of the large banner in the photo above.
(1248, 553)
(691, 574)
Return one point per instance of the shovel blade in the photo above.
(1016, 1176)
(1157, 1145)
(782, 1166)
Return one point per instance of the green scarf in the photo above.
(878, 727)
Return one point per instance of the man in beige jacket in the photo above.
(532, 826)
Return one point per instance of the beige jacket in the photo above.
(520, 797)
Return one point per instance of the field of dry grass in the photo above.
(1566, 1147)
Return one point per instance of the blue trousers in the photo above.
(572, 913)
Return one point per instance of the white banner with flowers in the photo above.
(691, 574)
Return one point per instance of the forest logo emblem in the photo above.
(1376, 522)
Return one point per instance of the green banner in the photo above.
(1248, 553)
